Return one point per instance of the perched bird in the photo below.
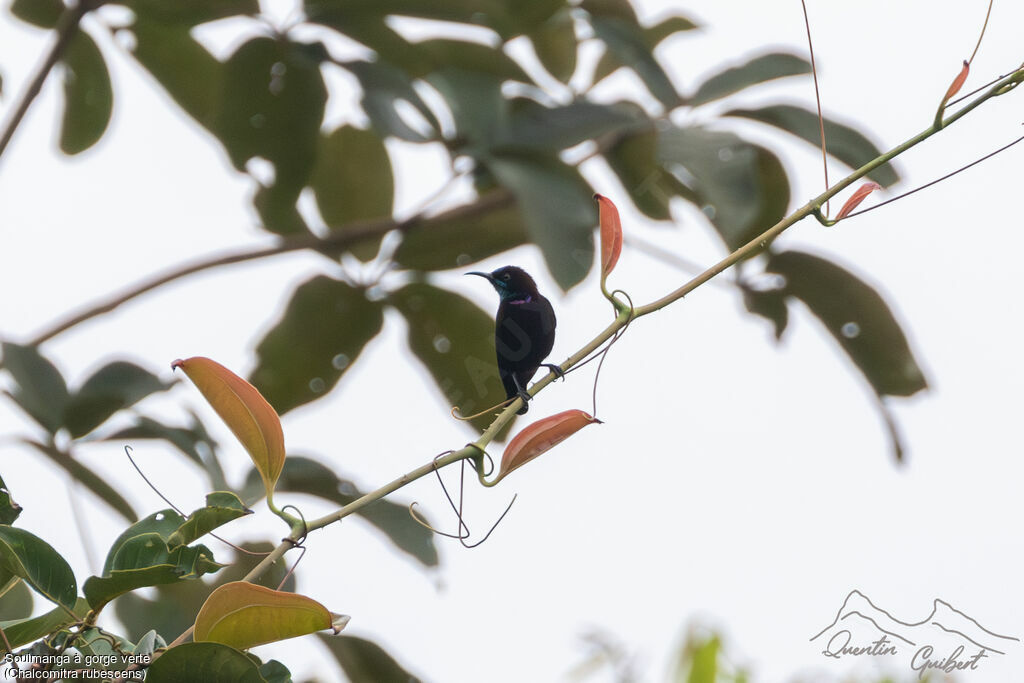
(524, 330)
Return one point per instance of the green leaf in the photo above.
(92, 481)
(555, 43)
(454, 340)
(491, 13)
(41, 13)
(534, 126)
(304, 475)
(323, 331)
(477, 105)
(844, 143)
(634, 159)
(627, 42)
(384, 86)
(162, 523)
(857, 317)
(440, 53)
(353, 181)
(23, 631)
(769, 304)
(704, 662)
(26, 555)
(144, 560)
(221, 507)
(558, 206)
(105, 649)
(110, 389)
(742, 188)
(275, 672)
(185, 69)
(757, 70)
(667, 27)
(9, 510)
(88, 96)
(149, 643)
(364, 661)
(271, 106)
(40, 389)
(16, 601)
(206, 662)
(193, 12)
(456, 238)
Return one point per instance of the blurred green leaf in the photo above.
(41, 13)
(555, 44)
(353, 181)
(221, 507)
(384, 87)
(844, 143)
(40, 389)
(454, 340)
(364, 661)
(111, 388)
(667, 27)
(454, 238)
(187, 71)
(634, 159)
(704, 661)
(627, 42)
(758, 70)
(88, 96)
(275, 672)
(193, 12)
(305, 475)
(271, 106)
(16, 601)
(319, 337)
(26, 555)
(495, 14)
(769, 304)
(558, 206)
(857, 317)
(206, 662)
(477, 105)
(742, 188)
(23, 631)
(441, 53)
(9, 510)
(86, 477)
(194, 441)
(534, 126)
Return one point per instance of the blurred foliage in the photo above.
(266, 102)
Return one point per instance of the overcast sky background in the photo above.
(735, 485)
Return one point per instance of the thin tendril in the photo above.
(817, 98)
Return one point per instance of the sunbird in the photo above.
(524, 330)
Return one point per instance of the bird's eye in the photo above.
(506, 276)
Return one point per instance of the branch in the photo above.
(67, 27)
(354, 232)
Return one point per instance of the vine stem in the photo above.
(67, 27)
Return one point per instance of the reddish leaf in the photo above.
(957, 83)
(253, 420)
(541, 436)
(856, 198)
(611, 234)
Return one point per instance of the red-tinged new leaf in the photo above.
(611, 234)
(542, 436)
(957, 83)
(251, 418)
(856, 198)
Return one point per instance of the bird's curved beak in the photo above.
(486, 276)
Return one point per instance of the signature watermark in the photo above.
(946, 641)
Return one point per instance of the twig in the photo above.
(67, 27)
(353, 233)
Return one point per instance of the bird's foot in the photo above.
(559, 372)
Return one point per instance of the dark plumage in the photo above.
(524, 330)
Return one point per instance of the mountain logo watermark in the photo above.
(947, 640)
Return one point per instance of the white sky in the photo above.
(736, 485)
